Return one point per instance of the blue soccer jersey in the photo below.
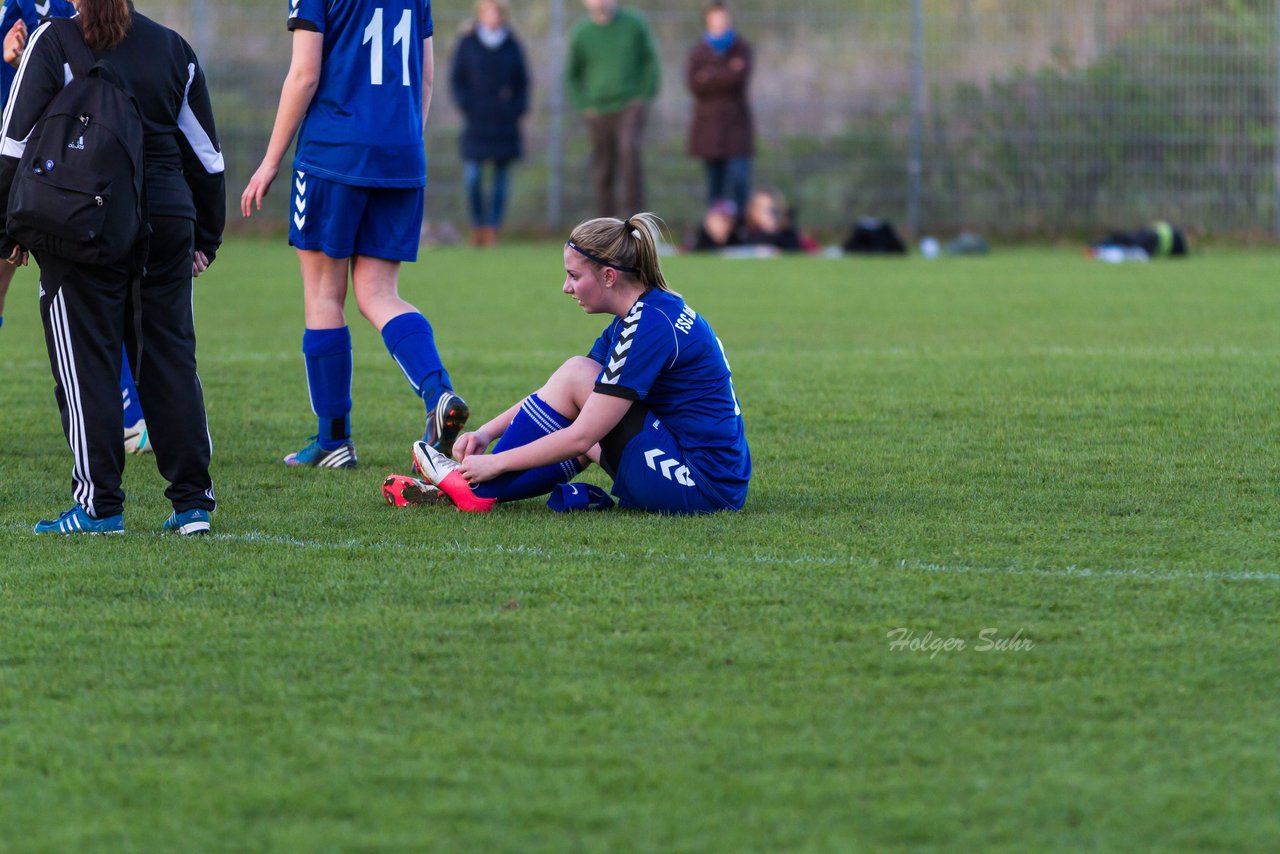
(364, 125)
(29, 12)
(666, 356)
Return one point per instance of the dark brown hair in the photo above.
(105, 22)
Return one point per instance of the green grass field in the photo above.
(1031, 444)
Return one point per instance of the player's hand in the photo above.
(18, 257)
(15, 42)
(467, 444)
(259, 186)
(477, 468)
(199, 263)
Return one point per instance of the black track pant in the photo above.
(88, 312)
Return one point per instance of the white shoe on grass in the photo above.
(136, 440)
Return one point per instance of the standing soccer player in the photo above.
(19, 18)
(357, 95)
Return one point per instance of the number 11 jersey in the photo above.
(364, 125)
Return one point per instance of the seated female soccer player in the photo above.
(653, 403)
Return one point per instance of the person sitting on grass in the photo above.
(653, 403)
(769, 222)
(719, 228)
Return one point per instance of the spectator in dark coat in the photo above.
(490, 85)
(718, 72)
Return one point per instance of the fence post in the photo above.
(1275, 168)
(200, 28)
(1100, 34)
(915, 145)
(555, 117)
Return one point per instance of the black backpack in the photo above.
(78, 189)
(872, 236)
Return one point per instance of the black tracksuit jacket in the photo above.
(183, 170)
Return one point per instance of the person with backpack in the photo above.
(110, 125)
(18, 19)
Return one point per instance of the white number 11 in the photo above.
(399, 36)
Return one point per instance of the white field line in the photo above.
(905, 565)
(1086, 572)
(772, 560)
(247, 357)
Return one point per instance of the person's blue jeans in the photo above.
(729, 178)
(486, 211)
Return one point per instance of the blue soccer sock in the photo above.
(534, 420)
(129, 393)
(411, 343)
(327, 353)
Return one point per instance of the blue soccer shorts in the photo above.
(649, 470)
(341, 220)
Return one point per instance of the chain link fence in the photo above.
(1015, 117)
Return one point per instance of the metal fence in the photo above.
(1028, 117)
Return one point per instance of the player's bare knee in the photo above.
(378, 305)
(577, 374)
(567, 389)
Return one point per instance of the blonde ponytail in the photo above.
(629, 246)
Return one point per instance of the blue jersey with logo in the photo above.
(30, 12)
(364, 125)
(666, 356)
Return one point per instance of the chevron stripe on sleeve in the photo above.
(618, 355)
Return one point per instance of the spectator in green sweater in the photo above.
(611, 75)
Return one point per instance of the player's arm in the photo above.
(600, 414)
(15, 42)
(202, 166)
(295, 98)
(428, 78)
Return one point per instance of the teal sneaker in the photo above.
(188, 522)
(77, 521)
(445, 421)
(341, 457)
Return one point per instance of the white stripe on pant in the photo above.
(84, 490)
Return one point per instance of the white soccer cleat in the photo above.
(136, 440)
(443, 473)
